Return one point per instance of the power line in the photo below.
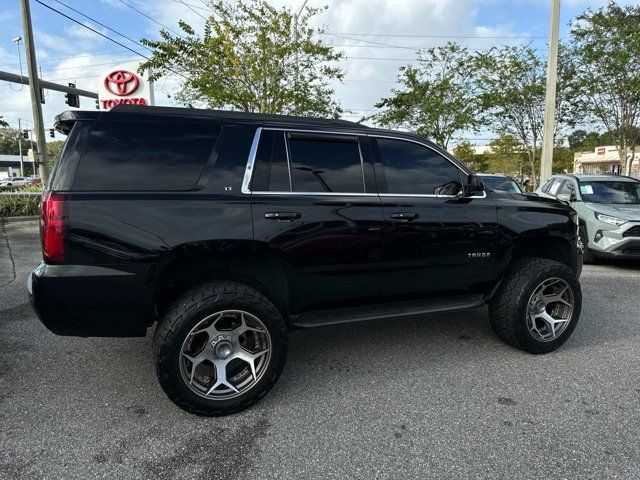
(103, 35)
(150, 18)
(92, 29)
(438, 36)
(101, 24)
(425, 48)
(89, 65)
(369, 41)
(192, 8)
(66, 58)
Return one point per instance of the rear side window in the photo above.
(554, 187)
(411, 168)
(325, 163)
(145, 156)
(271, 169)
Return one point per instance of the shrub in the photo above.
(18, 205)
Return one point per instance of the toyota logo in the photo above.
(121, 82)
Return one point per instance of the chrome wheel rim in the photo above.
(581, 241)
(225, 354)
(550, 309)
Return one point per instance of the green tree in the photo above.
(507, 155)
(606, 43)
(252, 57)
(583, 141)
(3, 124)
(562, 159)
(513, 81)
(438, 99)
(54, 149)
(465, 151)
(9, 141)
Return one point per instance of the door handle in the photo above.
(282, 216)
(404, 216)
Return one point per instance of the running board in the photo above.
(389, 310)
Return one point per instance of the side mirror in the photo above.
(565, 197)
(474, 186)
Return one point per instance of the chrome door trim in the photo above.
(248, 173)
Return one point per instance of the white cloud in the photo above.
(82, 32)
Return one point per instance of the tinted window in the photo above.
(325, 163)
(145, 156)
(270, 171)
(503, 184)
(414, 169)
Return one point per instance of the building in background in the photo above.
(10, 166)
(604, 161)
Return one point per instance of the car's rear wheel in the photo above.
(219, 348)
(537, 305)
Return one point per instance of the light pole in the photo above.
(17, 41)
(550, 100)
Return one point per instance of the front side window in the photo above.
(325, 163)
(411, 168)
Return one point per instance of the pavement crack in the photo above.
(13, 263)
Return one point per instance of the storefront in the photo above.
(604, 161)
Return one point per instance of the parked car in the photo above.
(14, 181)
(608, 209)
(227, 229)
(33, 181)
(500, 182)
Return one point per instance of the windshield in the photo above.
(610, 192)
(503, 184)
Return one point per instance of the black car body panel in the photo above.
(129, 253)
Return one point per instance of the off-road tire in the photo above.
(190, 309)
(508, 307)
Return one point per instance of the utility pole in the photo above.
(550, 100)
(295, 42)
(20, 147)
(34, 87)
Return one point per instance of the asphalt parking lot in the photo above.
(433, 397)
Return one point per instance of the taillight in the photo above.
(51, 227)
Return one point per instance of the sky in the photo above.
(377, 36)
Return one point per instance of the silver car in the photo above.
(608, 208)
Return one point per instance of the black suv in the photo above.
(227, 229)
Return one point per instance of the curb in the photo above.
(27, 218)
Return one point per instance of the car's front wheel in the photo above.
(583, 241)
(537, 305)
(219, 348)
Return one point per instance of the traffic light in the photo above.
(25, 134)
(52, 132)
(42, 96)
(72, 99)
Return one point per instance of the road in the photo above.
(433, 397)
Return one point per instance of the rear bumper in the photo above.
(91, 301)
